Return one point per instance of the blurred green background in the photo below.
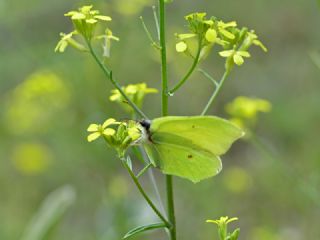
(47, 101)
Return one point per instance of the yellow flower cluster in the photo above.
(119, 135)
(234, 41)
(85, 21)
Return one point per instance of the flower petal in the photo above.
(226, 33)
(93, 136)
(109, 132)
(86, 9)
(230, 24)
(93, 128)
(213, 221)
(186, 36)
(103, 18)
(232, 219)
(108, 122)
(115, 97)
(226, 53)
(91, 21)
(238, 59)
(71, 13)
(260, 44)
(78, 16)
(243, 53)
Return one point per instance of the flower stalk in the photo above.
(164, 77)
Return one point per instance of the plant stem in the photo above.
(143, 193)
(164, 77)
(193, 67)
(156, 21)
(171, 212)
(215, 93)
(208, 76)
(144, 170)
(108, 73)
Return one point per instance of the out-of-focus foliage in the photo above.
(274, 199)
(47, 216)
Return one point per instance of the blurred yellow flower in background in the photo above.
(31, 158)
(130, 7)
(237, 179)
(244, 111)
(34, 102)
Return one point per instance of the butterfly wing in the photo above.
(177, 156)
(210, 133)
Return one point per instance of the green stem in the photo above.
(171, 212)
(164, 76)
(193, 67)
(145, 196)
(153, 42)
(208, 76)
(169, 188)
(144, 170)
(156, 21)
(108, 73)
(215, 93)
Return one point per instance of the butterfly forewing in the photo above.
(213, 134)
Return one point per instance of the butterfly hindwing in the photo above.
(183, 160)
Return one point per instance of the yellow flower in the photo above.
(136, 93)
(222, 220)
(66, 39)
(107, 37)
(134, 132)
(98, 130)
(124, 135)
(223, 228)
(237, 56)
(85, 20)
(222, 28)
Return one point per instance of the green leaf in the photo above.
(235, 234)
(144, 228)
(50, 211)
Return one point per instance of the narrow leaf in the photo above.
(49, 213)
(144, 228)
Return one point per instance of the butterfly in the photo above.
(188, 147)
